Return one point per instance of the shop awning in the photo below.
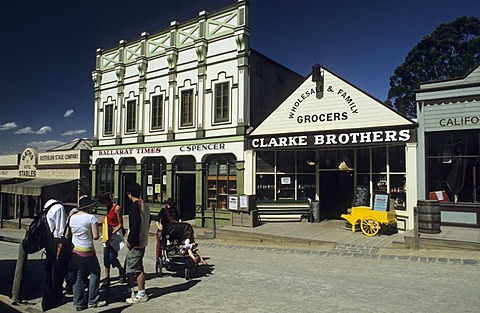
(32, 187)
(4, 180)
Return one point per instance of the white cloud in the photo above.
(74, 132)
(44, 145)
(68, 113)
(43, 130)
(25, 130)
(8, 126)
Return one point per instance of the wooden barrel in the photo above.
(429, 217)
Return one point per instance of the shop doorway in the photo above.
(128, 179)
(336, 193)
(184, 189)
(185, 195)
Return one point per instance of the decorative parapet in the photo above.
(187, 35)
(231, 21)
(133, 52)
(98, 58)
(222, 24)
(157, 44)
(110, 59)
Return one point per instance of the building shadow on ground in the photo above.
(32, 277)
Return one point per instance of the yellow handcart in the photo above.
(370, 220)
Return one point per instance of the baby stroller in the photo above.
(171, 257)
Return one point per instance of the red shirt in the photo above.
(112, 218)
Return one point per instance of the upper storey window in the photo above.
(131, 116)
(157, 112)
(108, 112)
(186, 110)
(222, 106)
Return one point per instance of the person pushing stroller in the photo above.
(167, 216)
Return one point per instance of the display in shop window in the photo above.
(218, 190)
(265, 187)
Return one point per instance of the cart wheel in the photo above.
(187, 273)
(158, 267)
(370, 226)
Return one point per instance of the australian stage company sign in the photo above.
(374, 137)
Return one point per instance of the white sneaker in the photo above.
(137, 299)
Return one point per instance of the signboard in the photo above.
(243, 199)
(362, 196)
(246, 203)
(62, 157)
(11, 159)
(8, 173)
(233, 203)
(285, 180)
(149, 190)
(380, 202)
(332, 139)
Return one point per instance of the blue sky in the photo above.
(48, 49)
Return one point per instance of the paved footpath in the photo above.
(254, 277)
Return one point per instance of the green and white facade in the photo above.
(172, 109)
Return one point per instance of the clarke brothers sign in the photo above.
(354, 138)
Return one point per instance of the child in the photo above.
(191, 248)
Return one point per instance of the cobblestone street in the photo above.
(344, 278)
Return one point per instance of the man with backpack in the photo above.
(55, 267)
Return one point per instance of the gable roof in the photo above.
(340, 106)
(77, 144)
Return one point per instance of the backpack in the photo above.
(37, 232)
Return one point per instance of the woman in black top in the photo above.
(165, 217)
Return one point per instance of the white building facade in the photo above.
(172, 110)
(329, 141)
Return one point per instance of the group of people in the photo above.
(80, 227)
(71, 258)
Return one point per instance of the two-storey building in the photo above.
(172, 110)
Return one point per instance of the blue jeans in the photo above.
(84, 267)
(110, 256)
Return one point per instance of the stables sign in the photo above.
(332, 139)
(28, 160)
